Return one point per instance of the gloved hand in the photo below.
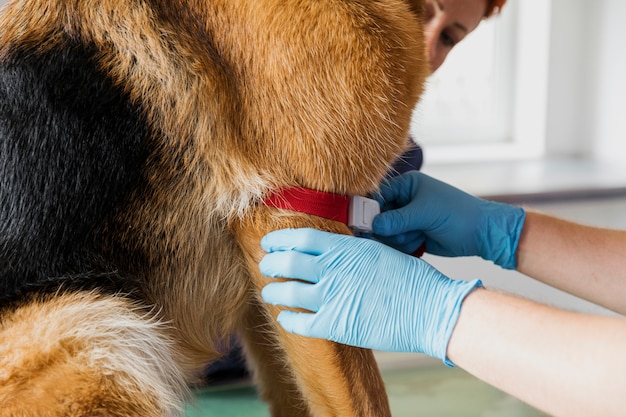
(363, 293)
(419, 209)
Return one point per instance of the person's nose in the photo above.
(433, 33)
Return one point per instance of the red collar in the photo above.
(318, 203)
(327, 205)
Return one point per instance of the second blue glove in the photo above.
(419, 209)
(361, 292)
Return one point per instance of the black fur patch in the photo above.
(72, 147)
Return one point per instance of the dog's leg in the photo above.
(334, 379)
(80, 354)
(270, 365)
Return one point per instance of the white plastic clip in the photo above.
(361, 213)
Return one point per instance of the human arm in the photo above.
(563, 363)
(366, 294)
(585, 261)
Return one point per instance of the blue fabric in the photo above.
(411, 160)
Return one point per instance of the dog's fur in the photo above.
(137, 140)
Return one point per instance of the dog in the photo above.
(138, 141)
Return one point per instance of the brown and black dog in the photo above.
(138, 139)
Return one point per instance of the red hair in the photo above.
(494, 7)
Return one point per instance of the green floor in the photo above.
(429, 391)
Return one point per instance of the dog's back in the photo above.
(137, 140)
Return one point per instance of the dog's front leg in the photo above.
(331, 379)
(270, 363)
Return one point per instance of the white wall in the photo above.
(568, 91)
(569, 79)
(608, 121)
(587, 81)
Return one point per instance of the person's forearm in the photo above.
(563, 363)
(584, 261)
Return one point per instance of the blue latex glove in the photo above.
(419, 209)
(364, 293)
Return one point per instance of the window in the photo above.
(489, 98)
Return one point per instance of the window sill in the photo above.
(545, 179)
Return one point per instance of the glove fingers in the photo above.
(290, 265)
(390, 191)
(311, 241)
(297, 323)
(406, 242)
(292, 294)
(395, 222)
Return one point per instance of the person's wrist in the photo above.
(463, 330)
(503, 224)
(438, 323)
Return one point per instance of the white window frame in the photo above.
(525, 56)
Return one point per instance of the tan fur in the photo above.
(97, 354)
(244, 96)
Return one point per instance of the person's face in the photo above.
(447, 23)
